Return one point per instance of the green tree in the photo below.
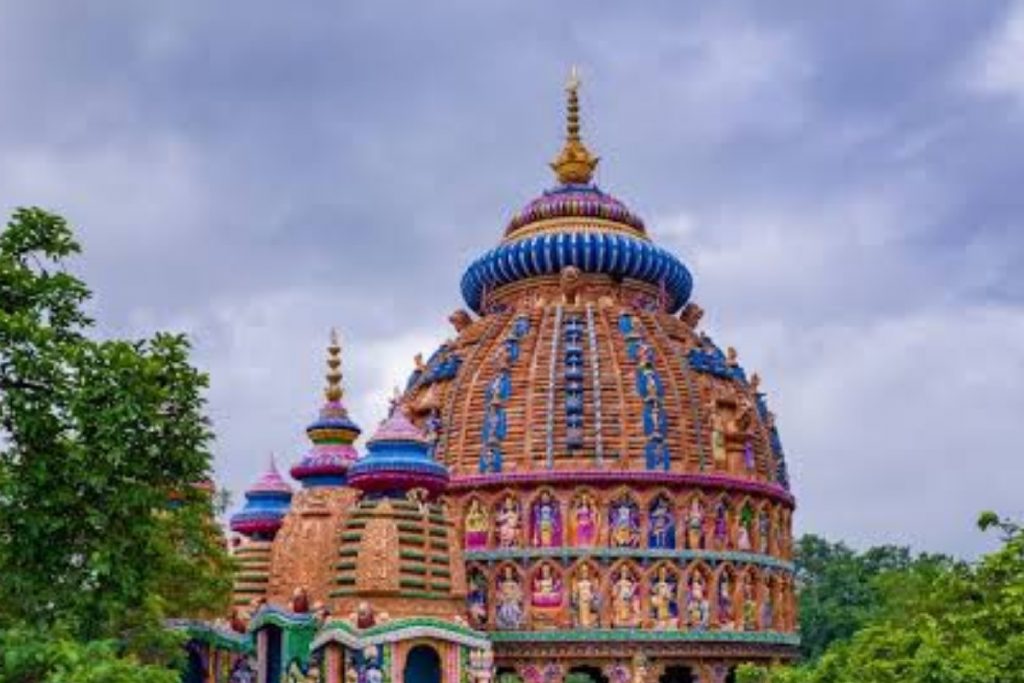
(938, 621)
(97, 436)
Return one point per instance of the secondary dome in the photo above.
(398, 460)
(332, 433)
(574, 201)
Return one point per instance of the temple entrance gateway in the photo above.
(585, 674)
(423, 665)
(677, 674)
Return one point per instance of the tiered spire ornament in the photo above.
(266, 503)
(332, 434)
(574, 165)
(398, 461)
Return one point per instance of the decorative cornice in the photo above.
(610, 478)
(646, 636)
(400, 629)
(709, 556)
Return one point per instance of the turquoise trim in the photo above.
(635, 635)
(216, 638)
(632, 553)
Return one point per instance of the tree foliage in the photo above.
(937, 621)
(97, 436)
(841, 590)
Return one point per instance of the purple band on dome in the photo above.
(717, 481)
(574, 200)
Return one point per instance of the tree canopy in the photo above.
(933, 620)
(102, 530)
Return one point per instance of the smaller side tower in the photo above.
(266, 503)
(401, 589)
(303, 553)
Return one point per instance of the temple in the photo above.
(580, 485)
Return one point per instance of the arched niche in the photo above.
(422, 665)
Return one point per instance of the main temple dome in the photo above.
(579, 478)
(600, 443)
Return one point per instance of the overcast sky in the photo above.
(843, 179)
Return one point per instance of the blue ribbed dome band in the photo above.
(592, 252)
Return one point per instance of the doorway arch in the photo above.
(585, 674)
(677, 674)
(422, 665)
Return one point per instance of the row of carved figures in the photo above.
(586, 518)
(665, 596)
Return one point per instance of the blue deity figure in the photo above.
(490, 458)
(476, 599)
(625, 524)
(509, 613)
(663, 527)
(656, 454)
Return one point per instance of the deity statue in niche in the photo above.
(749, 603)
(584, 521)
(662, 524)
(695, 525)
(508, 613)
(586, 599)
(433, 426)
(477, 526)
(624, 524)
(764, 531)
(780, 533)
(743, 529)
(547, 522)
(726, 617)
(547, 588)
(654, 417)
(718, 421)
(721, 532)
(626, 600)
(476, 598)
(664, 605)
(507, 523)
(698, 607)
(768, 604)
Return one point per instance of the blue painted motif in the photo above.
(651, 389)
(708, 358)
(572, 332)
(495, 427)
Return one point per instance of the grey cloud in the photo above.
(255, 174)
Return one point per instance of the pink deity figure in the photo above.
(507, 523)
(743, 531)
(695, 525)
(584, 521)
(477, 526)
(547, 522)
(547, 589)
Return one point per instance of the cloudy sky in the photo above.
(844, 180)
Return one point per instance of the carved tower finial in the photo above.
(574, 165)
(333, 392)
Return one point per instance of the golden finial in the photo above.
(333, 391)
(574, 164)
